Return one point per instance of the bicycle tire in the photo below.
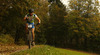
(30, 39)
(29, 44)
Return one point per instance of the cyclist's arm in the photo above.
(38, 19)
(25, 17)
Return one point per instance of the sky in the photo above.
(66, 2)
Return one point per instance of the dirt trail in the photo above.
(6, 49)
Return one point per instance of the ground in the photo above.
(7, 49)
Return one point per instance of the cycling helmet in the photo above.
(31, 10)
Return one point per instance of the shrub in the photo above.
(6, 39)
(21, 42)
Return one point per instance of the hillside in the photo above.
(48, 50)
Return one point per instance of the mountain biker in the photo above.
(29, 18)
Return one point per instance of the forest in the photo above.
(76, 26)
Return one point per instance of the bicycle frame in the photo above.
(30, 36)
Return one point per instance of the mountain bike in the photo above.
(30, 36)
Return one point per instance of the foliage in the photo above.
(6, 39)
(13, 12)
(77, 28)
(83, 25)
(55, 26)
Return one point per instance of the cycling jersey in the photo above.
(31, 18)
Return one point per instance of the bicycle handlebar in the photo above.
(36, 24)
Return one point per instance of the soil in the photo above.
(8, 49)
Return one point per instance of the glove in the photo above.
(26, 18)
(38, 23)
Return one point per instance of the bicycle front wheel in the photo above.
(29, 44)
(30, 39)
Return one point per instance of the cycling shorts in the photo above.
(32, 24)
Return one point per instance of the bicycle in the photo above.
(30, 36)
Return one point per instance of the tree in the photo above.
(83, 22)
(13, 12)
(55, 29)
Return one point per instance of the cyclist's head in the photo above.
(31, 11)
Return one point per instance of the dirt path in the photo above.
(6, 50)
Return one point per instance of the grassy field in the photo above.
(48, 50)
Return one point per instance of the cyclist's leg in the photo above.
(33, 29)
(26, 27)
(33, 42)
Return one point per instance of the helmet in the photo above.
(31, 10)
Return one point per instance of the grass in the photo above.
(48, 50)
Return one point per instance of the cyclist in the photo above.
(29, 18)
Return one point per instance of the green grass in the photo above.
(48, 50)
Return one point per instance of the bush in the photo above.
(6, 39)
(21, 42)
